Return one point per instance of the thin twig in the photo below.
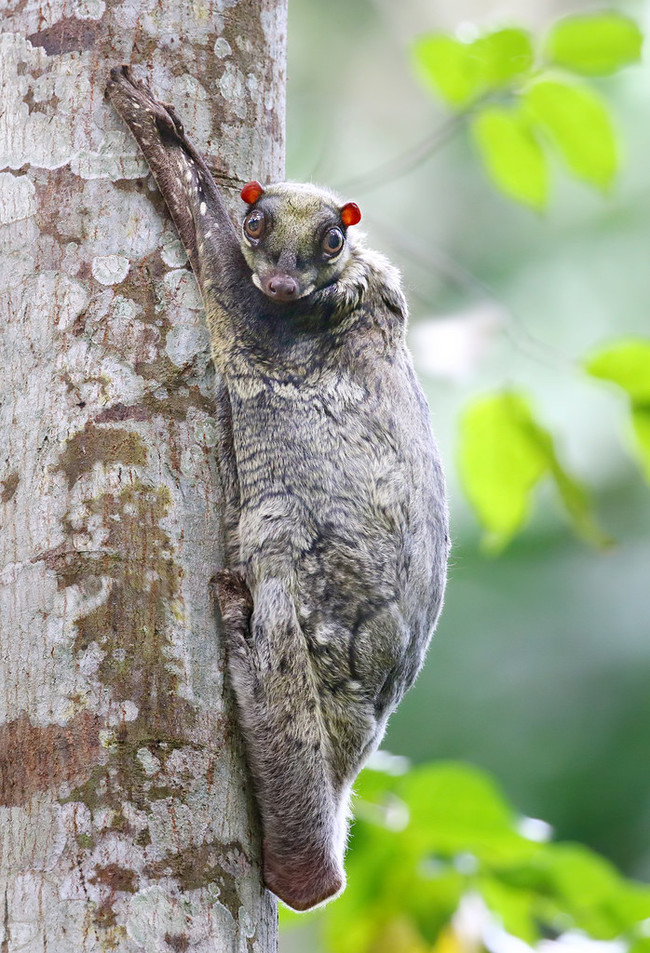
(514, 329)
(407, 161)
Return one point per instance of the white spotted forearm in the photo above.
(185, 183)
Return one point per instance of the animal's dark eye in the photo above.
(332, 241)
(255, 225)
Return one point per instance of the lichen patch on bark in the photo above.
(9, 486)
(132, 626)
(50, 755)
(102, 445)
(16, 198)
(68, 35)
(110, 269)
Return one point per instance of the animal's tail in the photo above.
(303, 819)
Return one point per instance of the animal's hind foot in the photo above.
(234, 598)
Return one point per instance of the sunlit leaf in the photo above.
(513, 907)
(349, 929)
(512, 155)
(456, 809)
(591, 891)
(499, 462)
(578, 123)
(400, 935)
(641, 945)
(461, 72)
(594, 43)
(503, 55)
(578, 505)
(388, 887)
(626, 363)
(448, 942)
(461, 838)
(458, 794)
(504, 452)
(448, 66)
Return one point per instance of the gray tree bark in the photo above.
(126, 823)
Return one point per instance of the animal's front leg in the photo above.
(190, 193)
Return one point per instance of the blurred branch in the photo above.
(414, 157)
(411, 159)
(430, 257)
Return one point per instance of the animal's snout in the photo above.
(281, 288)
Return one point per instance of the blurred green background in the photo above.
(540, 668)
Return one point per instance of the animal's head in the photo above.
(295, 238)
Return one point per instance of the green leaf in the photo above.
(462, 836)
(504, 453)
(642, 945)
(578, 123)
(512, 155)
(595, 44)
(447, 65)
(499, 462)
(513, 906)
(626, 363)
(461, 796)
(578, 505)
(590, 890)
(457, 810)
(461, 72)
(502, 55)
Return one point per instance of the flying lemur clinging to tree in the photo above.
(337, 518)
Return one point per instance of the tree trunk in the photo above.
(126, 821)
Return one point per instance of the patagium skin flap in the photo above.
(336, 511)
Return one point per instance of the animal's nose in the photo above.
(282, 288)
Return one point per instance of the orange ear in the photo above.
(251, 192)
(350, 214)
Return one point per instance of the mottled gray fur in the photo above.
(337, 514)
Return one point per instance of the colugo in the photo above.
(336, 509)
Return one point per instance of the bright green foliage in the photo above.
(512, 155)
(460, 72)
(627, 363)
(459, 836)
(500, 462)
(446, 64)
(504, 453)
(562, 115)
(521, 108)
(595, 44)
(578, 123)
(504, 55)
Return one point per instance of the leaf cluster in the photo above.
(627, 364)
(504, 454)
(425, 840)
(526, 100)
(526, 103)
